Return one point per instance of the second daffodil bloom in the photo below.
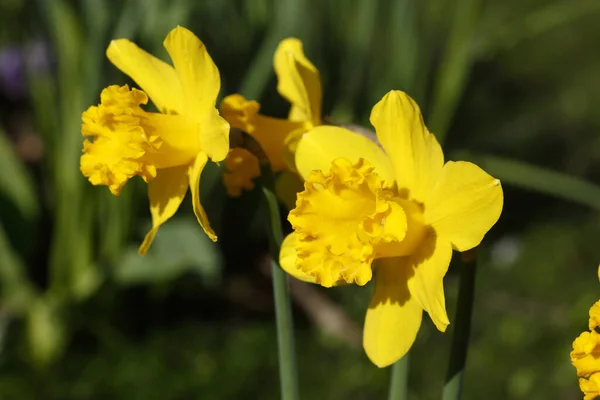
(399, 205)
(586, 355)
(298, 81)
(168, 149)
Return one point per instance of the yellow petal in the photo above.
(323, 144)
(394, 316)
(157, 78)
(198, 74)
(195, 172)
(287, 259)
(165, 192)
(415, 153)
(214, 136)
(464, 205)
(429, 264)
(298, 81)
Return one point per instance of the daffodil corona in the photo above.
(299, 83)
(168, 149)
(392, 207)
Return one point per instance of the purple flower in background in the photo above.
(16, 63)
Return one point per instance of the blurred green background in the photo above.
(512, 85)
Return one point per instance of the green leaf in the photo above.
(539, 179)
(45, 331)
(16, 184)
(181, 246)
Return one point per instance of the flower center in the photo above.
(343, 220)
(123, 140)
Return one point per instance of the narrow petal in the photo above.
(464, 205)
(429, 264)
(214, 136)
(298, 81)
(415, 153)
(195, 172)
(323, 144)
(157, 78)
(394, 316)
(165, 192)
(197, 72)
(287, 259)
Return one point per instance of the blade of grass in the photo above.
(456, 63)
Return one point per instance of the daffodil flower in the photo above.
(585, 356)
(396, 202)
(168, 149)
(299, 83)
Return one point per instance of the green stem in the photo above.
(460, 339)
(283, 310)
(399, 379)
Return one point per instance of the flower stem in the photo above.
(283, 310)
(460, 338)
(399, 379)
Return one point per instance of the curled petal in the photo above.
(298, 81)
(287, 260)
(195, 171)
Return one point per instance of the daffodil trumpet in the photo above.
(168, 149)
(392, 207)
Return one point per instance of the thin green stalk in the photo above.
(283, 310)
(399, 379)
(462, 329)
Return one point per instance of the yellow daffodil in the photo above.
(586, 355)
(396, 202)
(168, 149)
(300, 84)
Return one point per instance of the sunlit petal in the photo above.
(323, 144)
(195, 172)
(165, 192)
(464, 205)
(157, 78)
(214, 136)
(298, 81)
(394, 316)
(197, 72)
(415, 153)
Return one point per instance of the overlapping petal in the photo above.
(288, 258)
(298, 81)
(464, 204)
(165, 192)
(323, 144)
(157, 78)
(416, 155)
(394, 316)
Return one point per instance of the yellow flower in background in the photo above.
(300, 84)
(168, 149)
(398, 204)
(585, 356)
